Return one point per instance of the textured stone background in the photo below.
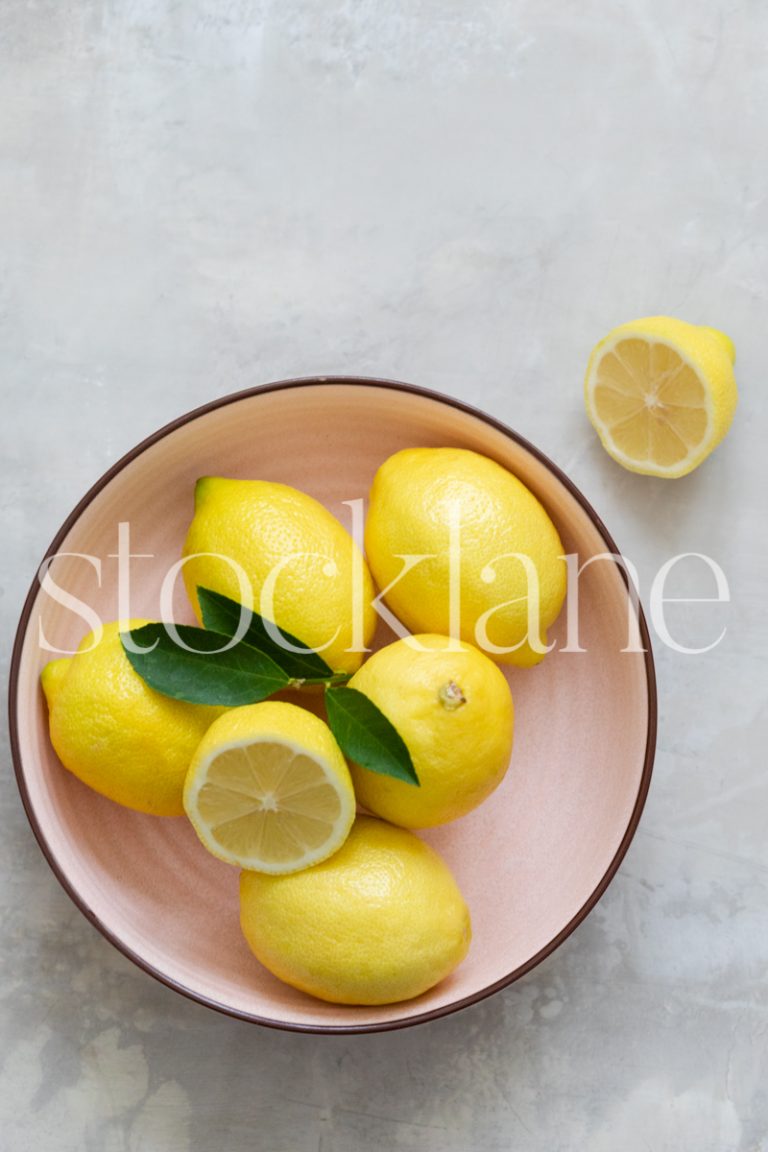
(200, 195)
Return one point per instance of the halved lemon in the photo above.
(661, 394)
(269, 790)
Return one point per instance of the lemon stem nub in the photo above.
(202, 484)
(451, 696)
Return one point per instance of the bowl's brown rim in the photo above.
(291, 1026)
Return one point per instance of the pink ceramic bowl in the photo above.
(532, 861)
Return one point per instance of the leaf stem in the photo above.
(334, 681)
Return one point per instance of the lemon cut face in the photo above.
(661, 394)
(269, 789)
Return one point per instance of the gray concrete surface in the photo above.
(199, 196)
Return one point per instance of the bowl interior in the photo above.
(528, 860)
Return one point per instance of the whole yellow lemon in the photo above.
(485, 546)
(381, 920)
(453, 708)
(290, 547)
(117, 734)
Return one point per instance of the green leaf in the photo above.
(366, 736)
(221, 614)
(241, 675)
